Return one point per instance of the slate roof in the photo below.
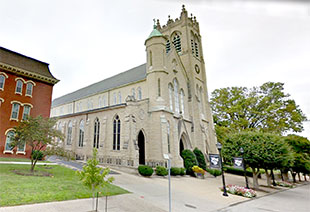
(133, 75)
(24, 62)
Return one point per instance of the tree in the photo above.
(37, 133)
(266, 108)
(261, 150)
(301, 149)
(93, 177)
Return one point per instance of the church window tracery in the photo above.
(116, 133)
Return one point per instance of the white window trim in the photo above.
(7, 151)
(5, 77)
(28, 82)
(21, 90)
(12, 103)
(30, 107)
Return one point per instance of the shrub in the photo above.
(200, 158)
(37, 154)
(182, 171)
(189, 161)
(175, 171)
(161, 171)
(214, 172)
(145, 170)
(240, 172)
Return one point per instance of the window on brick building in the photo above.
(29, 89)
(9, 140)
(26, 112)
(15, 111)
(19, 87)
(2, 81)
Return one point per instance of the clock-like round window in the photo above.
(197, 69)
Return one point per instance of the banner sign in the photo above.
(215, 162)
(238, 162)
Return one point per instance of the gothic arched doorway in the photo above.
(181, 146)
(141, 145)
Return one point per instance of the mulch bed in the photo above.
(34, 173)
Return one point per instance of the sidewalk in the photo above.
(151, 194)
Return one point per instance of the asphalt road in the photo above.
(292, 200)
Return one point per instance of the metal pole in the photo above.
(244, 170)
(97, 203)
(223, 178)
(169, 167)
(106, 203)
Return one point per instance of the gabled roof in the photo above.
(26, 64)
(133, 75)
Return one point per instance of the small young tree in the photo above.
(93, 177)
(37, 133)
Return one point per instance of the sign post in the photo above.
(166, 156)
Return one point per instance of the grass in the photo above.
(64, 184)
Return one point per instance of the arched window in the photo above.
(15, 111)
(9, 140)
(170, 96)
(104, 101)
(158, 86)
(19, 87)
(168, 136)
(177, 43)
(116, 133)
(139, 93)
(26, 111)
(201, 100)
(119, 97)
(176, 96)
(99, 102)
(182, 101)
(69, 133)
(168, 47)
(96, 133)
(2, 81)
(81, 134)
(114, 98)
(29, 89)
(151, 59)
(59, 129)
(133, 92)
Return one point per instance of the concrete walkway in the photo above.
(151, 194)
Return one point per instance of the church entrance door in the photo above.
(141, 145)
(181, 147)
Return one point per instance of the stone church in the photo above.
(160, 107)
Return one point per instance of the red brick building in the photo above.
(26, 86)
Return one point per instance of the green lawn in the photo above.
(63, 185)
(15, 159)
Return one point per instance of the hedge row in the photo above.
(160, 171)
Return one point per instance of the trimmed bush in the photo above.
(200, 158)
(182, 171)
(236, 171)
(175, 171)
(161, 171)
(214, 172)
(37, 154)
(189, 161)
(145, 170)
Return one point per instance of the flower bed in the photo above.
(240, 190)
(285, 184)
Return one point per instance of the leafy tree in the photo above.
(37, 133)
(266, 108)
(190, 160)
(94, 177)
(301, 149)
(261, 150)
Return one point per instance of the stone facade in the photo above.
(163, 110)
